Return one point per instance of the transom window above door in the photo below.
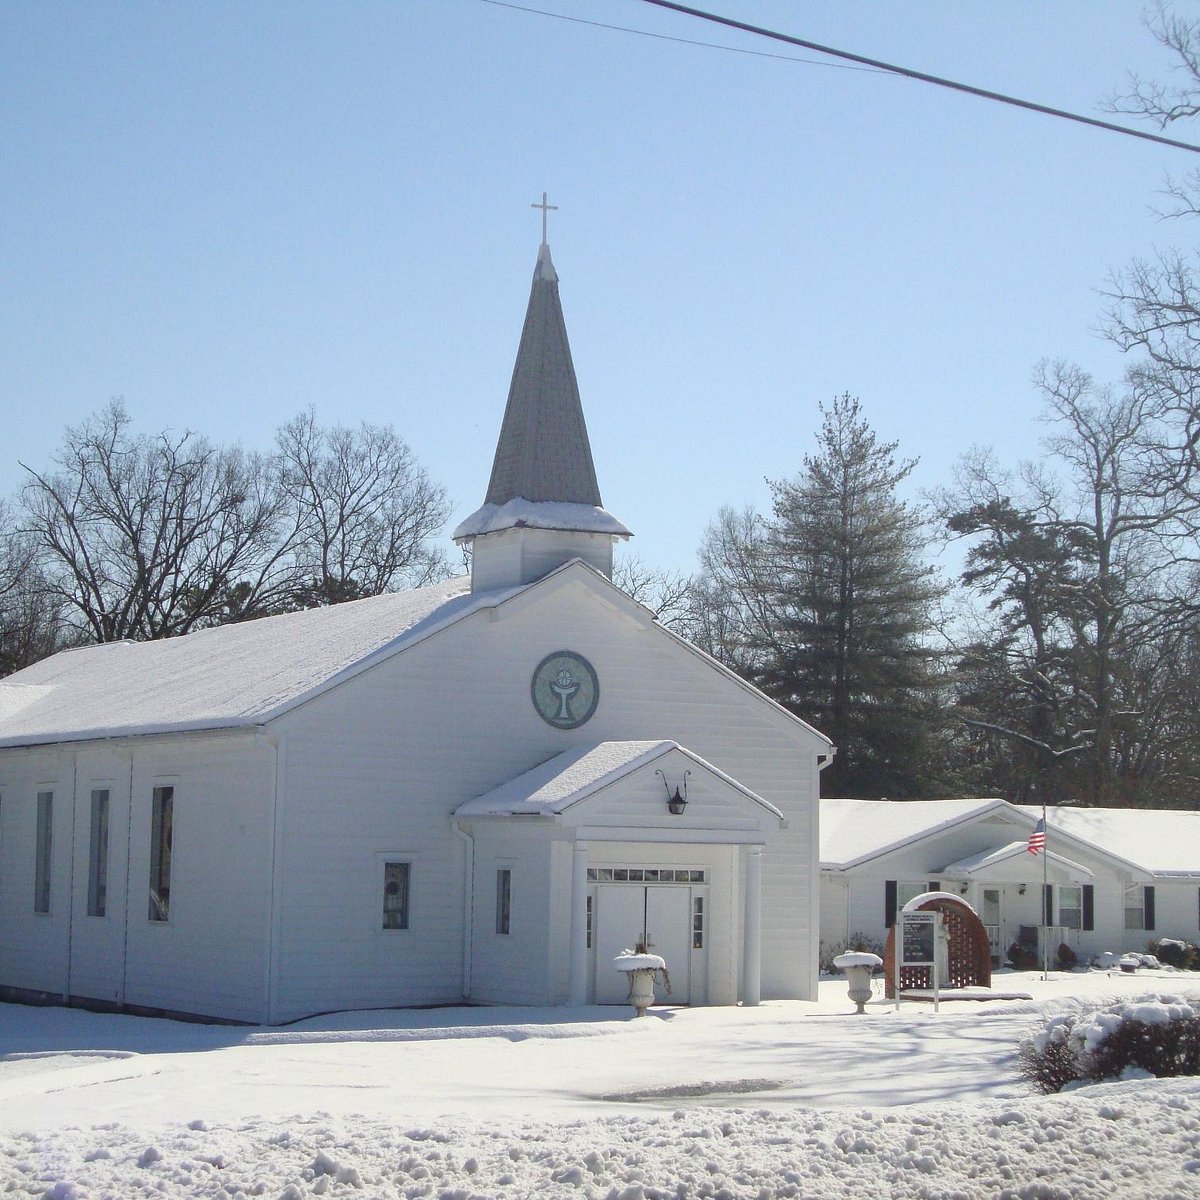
(646, 875)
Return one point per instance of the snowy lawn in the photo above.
(786, 1099)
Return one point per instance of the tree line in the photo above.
(131, 536)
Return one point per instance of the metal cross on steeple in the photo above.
(545, 209)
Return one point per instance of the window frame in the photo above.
(162, 844)
(98, 850)
(919, 888)
(1059, 895)
(1138, 891)
(504, 901)
(405, 892)
(43, 854)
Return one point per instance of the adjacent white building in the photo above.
(478, 791)
(1110, 879)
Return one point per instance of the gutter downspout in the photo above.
(468, 927)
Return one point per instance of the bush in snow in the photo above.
(1174, 953)
(859, 942)
(1066, 957)
(1154, 1034)
(1022, 958)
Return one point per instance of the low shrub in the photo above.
(828, 951)
(1174, 953)
(1022, 958)
(1154, 1034)
(1066, 957)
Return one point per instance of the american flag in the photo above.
(1037, 839)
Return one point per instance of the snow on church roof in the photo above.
(560, 781)
(229, 676)
(540, 514)
(554, 785)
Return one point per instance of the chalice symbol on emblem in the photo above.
(564, 685)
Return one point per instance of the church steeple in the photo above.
(543, 503)
(543, 452)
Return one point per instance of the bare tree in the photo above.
(732, 615)
(1155, 301)
(30, 623)
(667, 594)
(1155, 101)
(144, 537)
(363, 508)
(1073, 559)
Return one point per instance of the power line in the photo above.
(921, 76)
(666, 37)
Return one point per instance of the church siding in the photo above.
(34, 946)
(514, 968)
(98, 943)
(380, 763)
(220, 876)
(210, 956)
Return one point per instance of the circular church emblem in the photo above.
(565, 689)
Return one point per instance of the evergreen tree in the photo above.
(847, 644)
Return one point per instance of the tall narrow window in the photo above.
(589, 922)
(395, 895)
(697, 922)
(503, 899)
(160, 853)
(98, 854)
(45, 833)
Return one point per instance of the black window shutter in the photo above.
(1149, 905)
(1048, 904)
(889, 903)
(1089, 906)
(934, 885)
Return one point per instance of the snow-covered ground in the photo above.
(782, 1100)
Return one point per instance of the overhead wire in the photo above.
(682, 41)
(920, 76)
(854, 62)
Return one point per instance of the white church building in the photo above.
(476, 792)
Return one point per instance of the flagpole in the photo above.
(1045, 915)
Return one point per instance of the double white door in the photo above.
(658, 916)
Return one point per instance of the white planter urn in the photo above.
(641, 969)
(859, 966)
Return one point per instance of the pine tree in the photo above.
(853, 606)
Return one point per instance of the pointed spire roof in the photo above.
(543, 474)
(543, 452)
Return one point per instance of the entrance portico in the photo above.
(620, 867)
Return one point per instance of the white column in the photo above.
(752, 939)
(577, 991)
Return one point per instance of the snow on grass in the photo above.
(784, 1100)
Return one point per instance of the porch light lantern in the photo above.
(676, 801)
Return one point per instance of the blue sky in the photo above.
(229, 212)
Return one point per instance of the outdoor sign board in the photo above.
(916, 946)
